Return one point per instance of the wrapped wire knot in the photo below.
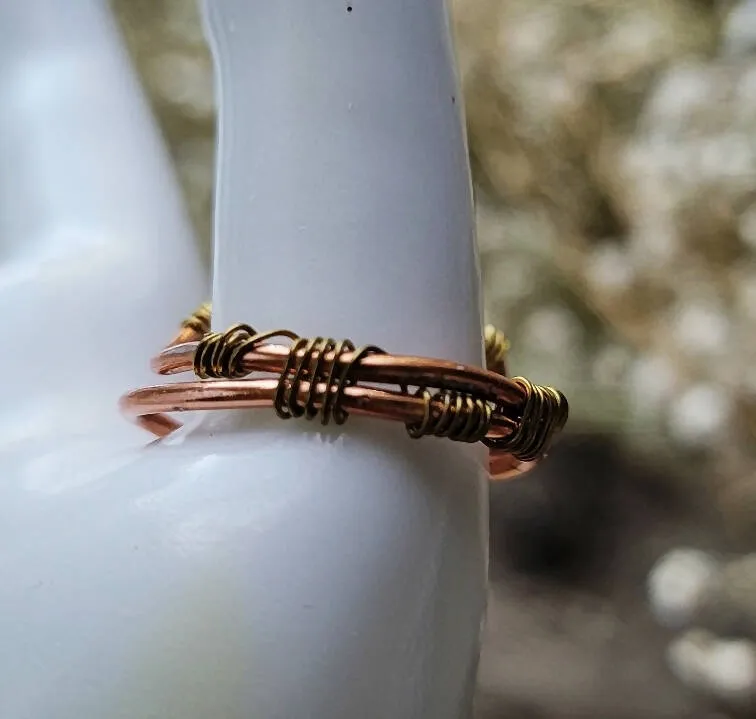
(544, 412)
(320, 362)
(219, 355)
(458, 416)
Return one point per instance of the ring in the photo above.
(330, 380)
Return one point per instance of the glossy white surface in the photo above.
(268, 575)
(97, 259)
(257, 568)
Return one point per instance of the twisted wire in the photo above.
(315, 367)
(497, 348)
(460, 417)
(220, 355)
(544, 412)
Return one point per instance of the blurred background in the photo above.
(613, 145)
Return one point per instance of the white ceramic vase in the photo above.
(250, 567)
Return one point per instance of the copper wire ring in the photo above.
(333, 379)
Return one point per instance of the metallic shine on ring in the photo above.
(328, 379)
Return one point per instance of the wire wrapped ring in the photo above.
(329, 379)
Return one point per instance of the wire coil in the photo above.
(315, 366)
(544, 412)
(455, 415)
(199, 320)
(219, 355)
(497, 349)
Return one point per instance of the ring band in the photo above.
(320, 377)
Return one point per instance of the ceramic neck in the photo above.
(343, 189)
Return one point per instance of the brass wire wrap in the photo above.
(199, 320)
(458, 416)
(219, 354)
(544, 412)
(511, 416)
(497, 348)
(313, 367)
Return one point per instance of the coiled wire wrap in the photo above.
(497, 348)
(458, 416)
(219, 354)
(543, 413)
(199, 320)
(314, 368)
